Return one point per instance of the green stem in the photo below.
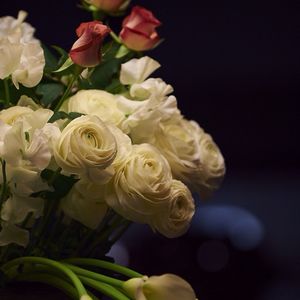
(115, 223)
(43, 269)
(115, 37)
(104, 288)
(6, 91)
(54, 281)
(106, 279)
(103, 264)
(51, 263)
(4, 182)
(67, 91)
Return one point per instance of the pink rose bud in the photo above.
(86, 51)
(109, 5)
(138, 31)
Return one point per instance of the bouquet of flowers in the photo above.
(90, 142)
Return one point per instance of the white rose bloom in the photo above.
(175, 221)
(20, 53)
(12, 114)
(98, 103)
(87, 148)
(192, 154)
(151, 87)
(163, 287)
(137, 70)
(141, 185)
(19, 147)
(143, 117)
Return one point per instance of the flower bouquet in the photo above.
(88, 144)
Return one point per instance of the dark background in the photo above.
(235, 69)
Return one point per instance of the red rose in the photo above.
(86, 51)
(109, 5)
(138, 31)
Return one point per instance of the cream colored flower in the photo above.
(175, 221)
(141, 185)
(30, 69)
(150, 87)
(15, 208)
(192, 154)
(85, 204)
(12, 114)
(87, 148)
(137, 70)
(98, 103)
(164, 287)
(21, 55)
(11, 233)
(143, 117)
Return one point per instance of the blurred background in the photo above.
(235, 69)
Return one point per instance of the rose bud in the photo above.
(86, 51)
(110, 6)
(138, 31)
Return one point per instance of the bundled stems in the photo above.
(51, 263)
(104, 265)
(69, 278)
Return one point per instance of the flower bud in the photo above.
(86, 51)
(167, 286)
(138, 31)
(110, 6)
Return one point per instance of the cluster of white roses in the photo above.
(134, 153)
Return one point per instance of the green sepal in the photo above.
(66, 65)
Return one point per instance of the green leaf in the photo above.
(51, 60)
(63, 54)
(49, 92)
(68, 63)
(62, 184)
(63, 115)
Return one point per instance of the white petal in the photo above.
(10, 56)
(137, 70)
(10, 233)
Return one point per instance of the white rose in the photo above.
(85, 204)
(163, 287)
(98, 103)
(12, 114)
(87, 148)
(144, 116)
(175, 221)
(192, 154)
(20, 147)
(141, 185)
(150, 87)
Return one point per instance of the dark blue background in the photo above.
(235, 69)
